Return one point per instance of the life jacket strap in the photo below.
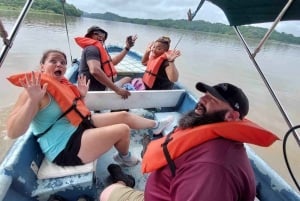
(149, 72)
(110, 68)
(167, 155)
(105, 62)
(72, 107)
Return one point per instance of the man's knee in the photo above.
(124, 114)
(104, 196)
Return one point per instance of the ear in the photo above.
(232, 116)
(42, 68)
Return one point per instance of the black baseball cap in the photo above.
(228, 93)
(93, 29)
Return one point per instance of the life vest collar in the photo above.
(181, 141)
(106, 63)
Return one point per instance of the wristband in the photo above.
(127, 49)
(172, 61)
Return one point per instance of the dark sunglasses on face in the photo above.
(99, 34)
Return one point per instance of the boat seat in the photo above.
(54, 178)
(102, 100)
(24, 165)
(49, 170)
(162, 115)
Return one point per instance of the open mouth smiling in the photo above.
(200, 109)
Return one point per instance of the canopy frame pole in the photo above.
(271, 29)
(66, 26)
(286, 118)
(15, 29)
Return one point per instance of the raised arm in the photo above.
(26, 107)
(146, 55)
(171, 69)
(130, 40)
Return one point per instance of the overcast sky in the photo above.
(163, 9)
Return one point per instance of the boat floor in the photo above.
(102, 175)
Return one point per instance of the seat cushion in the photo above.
(50, 170)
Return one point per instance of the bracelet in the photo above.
(172, 61)
(127, 49)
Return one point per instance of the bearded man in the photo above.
(203, 159)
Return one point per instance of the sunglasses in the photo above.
(99, 34)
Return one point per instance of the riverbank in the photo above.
(17, 10)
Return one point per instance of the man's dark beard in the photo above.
(192, 119)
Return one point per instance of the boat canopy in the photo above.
(241, 12)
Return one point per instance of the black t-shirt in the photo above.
(162, 81)
(90, 53)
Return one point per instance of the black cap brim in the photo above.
(206, 88)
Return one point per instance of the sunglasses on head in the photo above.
(164, 39)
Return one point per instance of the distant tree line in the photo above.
(55, 6)
(200, 25)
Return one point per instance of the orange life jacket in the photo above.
(106, 63)
(151, 71)
(64, 92)
(183, 140)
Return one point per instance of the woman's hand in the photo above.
(27, 105)
(149, 47)
(32, 86)
(172, 55)
(83, 85)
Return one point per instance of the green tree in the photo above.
(55, 6)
